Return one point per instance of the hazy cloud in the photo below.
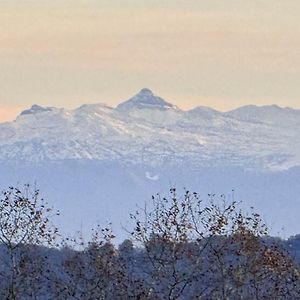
(193, 52)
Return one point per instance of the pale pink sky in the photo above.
(221, 54)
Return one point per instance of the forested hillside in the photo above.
(180, 248)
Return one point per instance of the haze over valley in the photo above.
(98, 163)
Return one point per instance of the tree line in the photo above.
(181, 247)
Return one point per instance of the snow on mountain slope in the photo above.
(148, 107)
(269, 114)
(146, 129)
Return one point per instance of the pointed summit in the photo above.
(145, 99)
(35, 109)
(145, 92)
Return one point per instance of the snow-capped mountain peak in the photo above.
(35, 109)
(148, 107)
(145, 99)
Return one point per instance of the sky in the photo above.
(222, 54)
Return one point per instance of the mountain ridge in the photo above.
(96, 163)
(147, 129)
(156, 101)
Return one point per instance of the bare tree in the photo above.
(207, 249)
(24, 221)
(89, 268)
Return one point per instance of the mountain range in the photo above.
(97, 158)
(146, 129)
